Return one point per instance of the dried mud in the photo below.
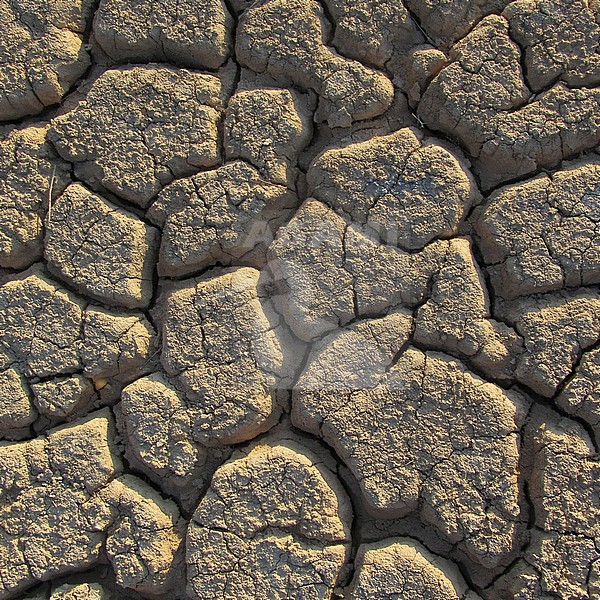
(299, 300)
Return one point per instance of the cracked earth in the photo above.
(299, 300)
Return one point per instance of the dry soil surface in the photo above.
(299, 299)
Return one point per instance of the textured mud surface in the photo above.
(299, 299)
